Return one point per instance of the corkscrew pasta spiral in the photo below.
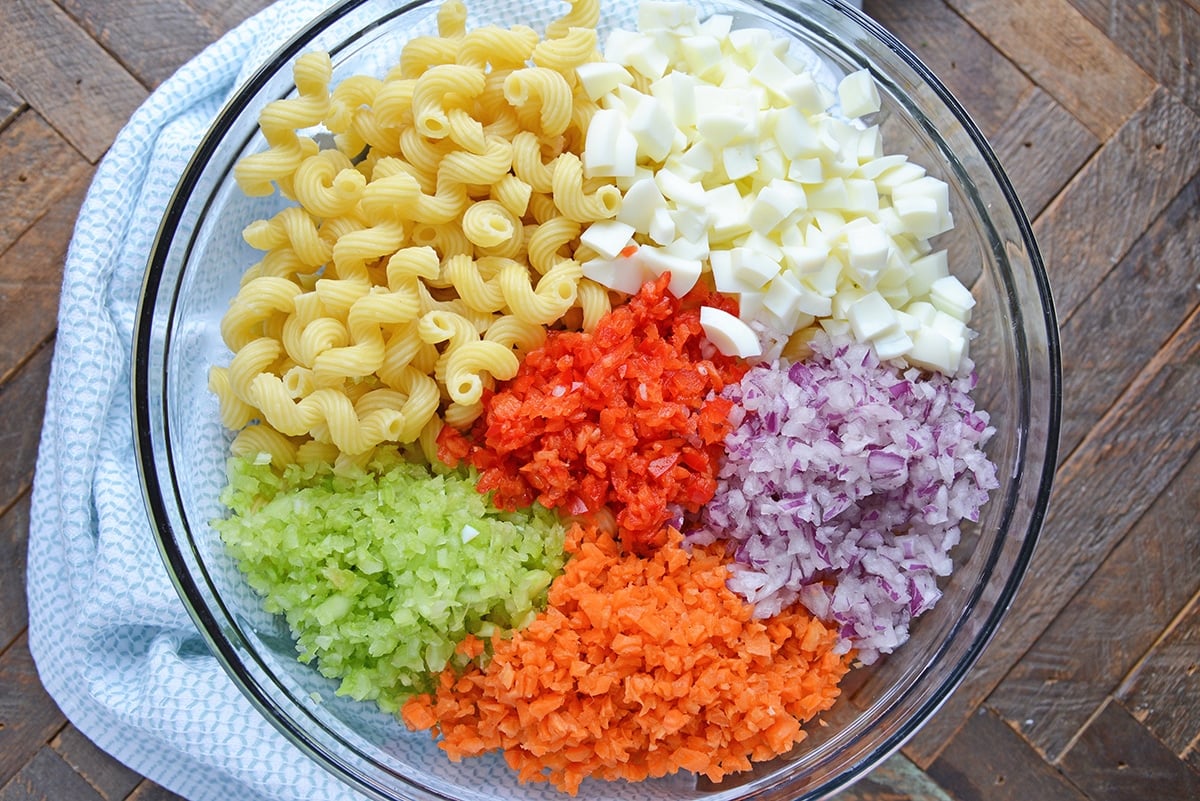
(426, 253)
(583, 14)
(279, 122)
(571, 199)
(502, 48)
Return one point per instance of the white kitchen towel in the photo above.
(112, 641)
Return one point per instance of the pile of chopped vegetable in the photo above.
(639, 667)
(843, 487)
(625, 417)
(382, 612)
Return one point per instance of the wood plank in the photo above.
(1069, 673)
(14, 535)
(1041, 147)
(111, 779)
(1117, 759)
(23, 399)
(31, 278)
(1163, 37)
(28, 716)
(149, 791)
(988, 760)
(221, 15)
(1148, 435)
(958, 55)
(48, 778)
(1089, 228)
(897, 779)
(37, 168)
(64, 74)
(10, 105)
(1066, 55)
(1157, 691)
(151, 38)
(1129, 315)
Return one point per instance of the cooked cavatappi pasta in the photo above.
(428, 249)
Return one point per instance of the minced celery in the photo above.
(381, 572)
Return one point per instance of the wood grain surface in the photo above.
(1091, 689)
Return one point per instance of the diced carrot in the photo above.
(470, 646)
(597, 610)
(418, 713)
(565, 699)
(541, 707)
(691, 759)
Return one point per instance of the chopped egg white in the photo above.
(858, 95)
(737, 162)
(598, 78)
(622, 274)
(947, 294)
(684, 272)
(607, 237)
(730, 335)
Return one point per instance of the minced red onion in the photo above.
(843, 488)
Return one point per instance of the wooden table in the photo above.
(1092, 687)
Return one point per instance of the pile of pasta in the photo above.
(426, 251)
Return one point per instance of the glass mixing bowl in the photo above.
(194, 271)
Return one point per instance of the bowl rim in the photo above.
(155, 495)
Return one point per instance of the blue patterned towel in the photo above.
(112, 641)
